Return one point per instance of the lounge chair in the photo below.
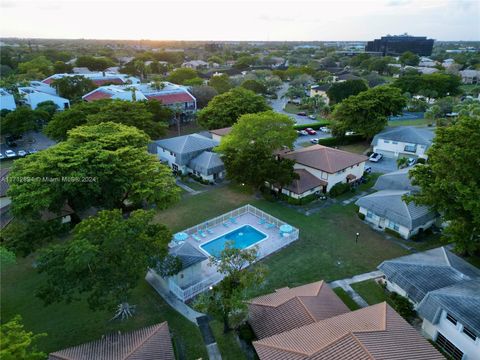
(261, 221)
(233, 220)
(197, 239)
(209, 231)
(269, 226)
(225, 224)
(202, 234)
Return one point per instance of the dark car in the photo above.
(302, 113)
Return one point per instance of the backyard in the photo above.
(326, 250)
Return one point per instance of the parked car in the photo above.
(348, 133)
(325, 129)
(411, 161)
(313, 117)
(302, 113)
(375, 157)
(21, 153)
(310, 131)
(302, 133)
(32, 151)
(2, 156)
(10, 154)
(368, 170)
(314, 141)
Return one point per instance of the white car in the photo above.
(312, 117)
(375, 157)
(411, 161)
(348, 133)
(10, 154)
(21, 153)
(302, 133)
(325, 129)
(314, 141)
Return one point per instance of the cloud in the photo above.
(398, 2)
(7, 4)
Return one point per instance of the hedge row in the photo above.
(316, 125)
(332, 141)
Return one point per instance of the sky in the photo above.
(267, 20)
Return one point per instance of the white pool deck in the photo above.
(246, 215)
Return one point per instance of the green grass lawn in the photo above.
(358, 148)
(196, 185)
(292, 108)
(342, 294)
(370, 291)
(72, 324)
(6, 163)
(416, 122)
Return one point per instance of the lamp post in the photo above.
(356, 237)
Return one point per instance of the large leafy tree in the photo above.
(148, 116)
(342, 90)
(19, 121)
(129, 113)
(106, 258)
(367, 113)
(221, 83)
(226, 301)
(105, 165)
(203, 94)
(17, 343)
(181, 75)
(38, 67)
(409, 58)
(94, 63)
(73, 87)
(247, 151)
(449, 181)
(225, 109)
(433, 85)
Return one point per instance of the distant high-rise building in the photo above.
(398, 44)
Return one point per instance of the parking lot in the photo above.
(385, 165)
(30, 141)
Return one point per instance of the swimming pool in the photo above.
(242, 238)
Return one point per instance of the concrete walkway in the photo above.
(187, 188)
(171, 300)
(345, 285)
(208, 338)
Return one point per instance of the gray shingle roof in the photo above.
(390, 205)
(408, 134)
(187, 254)
(427, 271)
(187, 143)
(396, 180)
(461, 300)
(207, 163)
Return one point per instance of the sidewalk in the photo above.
(345, 285)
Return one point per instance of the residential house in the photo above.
(320, 168)
(7, 101)
(448, 62)
(290, 308)
(195, 64)
(191, 154)
(387, 209)
(99, 78)
(32, 97)
(218, 134)
(403, 141)
(470, 76)
(445, 290)
(176, 97)
(191, 270)
(427, 62)
(346, 76)
(320, 90)
(309, 322)
(151, 342)
(396, 180)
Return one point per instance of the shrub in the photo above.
(393, 232)
(200, 179)
(316, 125)
(346, 140)
(246, 333)
(402, 306)
(421, 161)
(292, 201)
(339, 189)
(361, 216)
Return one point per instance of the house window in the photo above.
(410, 148)
(451, 319)
(393, 226)
(324, 176)
(369, 214)
(448, 347)
(469, 333)
(386, 141)
(171, 153)
(395, 142)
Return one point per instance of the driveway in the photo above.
(384, 166)
(279, 104)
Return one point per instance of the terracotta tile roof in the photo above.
(374, 332)
(305, 182)
(152, 342)
(325, 158)
(222, 131)
(48, 81)
(100, 82)
(287, 309)
(168, 99)
(97, 95)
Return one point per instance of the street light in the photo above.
(356, 237)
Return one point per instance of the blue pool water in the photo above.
(242, 238)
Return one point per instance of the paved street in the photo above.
(30, 141)
(279, 103)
